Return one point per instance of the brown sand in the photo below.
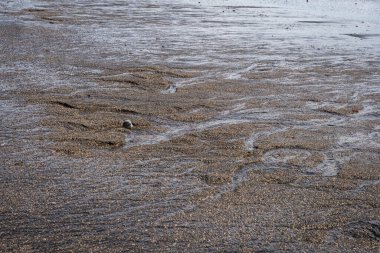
(220, 165)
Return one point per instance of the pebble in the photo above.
(127, 124)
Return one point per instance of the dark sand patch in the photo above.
(362, 35)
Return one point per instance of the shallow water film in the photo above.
(189, 126)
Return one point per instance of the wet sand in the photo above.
(256, 126)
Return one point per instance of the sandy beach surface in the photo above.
(256, 126)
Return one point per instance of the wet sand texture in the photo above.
(222, 126)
